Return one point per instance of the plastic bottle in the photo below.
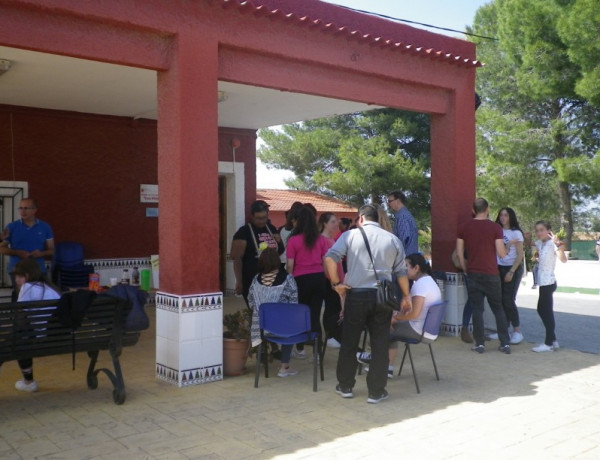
(125, 278)
(135, 277)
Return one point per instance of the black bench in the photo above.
(32, 330)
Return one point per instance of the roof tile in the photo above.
(281, 200)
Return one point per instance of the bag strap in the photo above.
(369, 251)
(253, 237)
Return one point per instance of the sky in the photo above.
(452, 14)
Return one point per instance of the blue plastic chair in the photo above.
(433, 322)
(287, 324)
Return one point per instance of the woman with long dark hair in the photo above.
(305, 252)
(286, 230)
(32, 285)
(272, 284)
(511, 269)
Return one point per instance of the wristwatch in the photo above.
(335, 284)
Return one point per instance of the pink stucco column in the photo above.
(452, 171)
(189, 304)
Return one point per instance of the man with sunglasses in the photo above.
(28, 237)
(405, 227)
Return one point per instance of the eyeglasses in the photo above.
(24, 208)
(391, 201)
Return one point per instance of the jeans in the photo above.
(545, 309)
(360, 311)
(535, 270)
(509, 294)
(481, 286)
(286, 353)
(468, 310)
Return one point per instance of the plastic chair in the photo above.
(433, 322)
(68, 269)
(287, 324)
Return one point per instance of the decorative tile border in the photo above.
(189, 377)
(189, 303)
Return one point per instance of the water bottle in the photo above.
(135, 277)
(125, 279)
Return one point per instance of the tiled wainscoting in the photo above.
(189, 338)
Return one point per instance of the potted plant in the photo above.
(236, 341)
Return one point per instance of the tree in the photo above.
(358, 157)
(532, 125)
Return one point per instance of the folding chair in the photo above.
(287, 324)
(433, 322)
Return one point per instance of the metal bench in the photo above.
(32, 330)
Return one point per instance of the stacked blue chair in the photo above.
(433, 322)
(287, 324)
(68, 269)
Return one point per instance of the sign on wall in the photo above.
(149, 193)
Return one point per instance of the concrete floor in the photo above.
(497, 406)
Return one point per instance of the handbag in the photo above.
(387, 294)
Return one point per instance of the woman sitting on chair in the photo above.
(272, 284)
(425, 293)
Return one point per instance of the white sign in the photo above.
(149, 193)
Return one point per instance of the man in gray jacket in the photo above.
(359, 295)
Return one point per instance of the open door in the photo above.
(222, 232)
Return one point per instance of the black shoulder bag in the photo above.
(387, 294)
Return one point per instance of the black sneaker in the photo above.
(504, 349)
(376, 399)
(478, 349)
(344, 392)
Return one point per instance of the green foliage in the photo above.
(537, 138)
(358, 157)
(578, 28)
(237, 325)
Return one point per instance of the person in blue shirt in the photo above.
(405, 227)
(27, 238)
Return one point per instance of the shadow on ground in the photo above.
(231, 419)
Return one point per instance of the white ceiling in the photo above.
(64, 83)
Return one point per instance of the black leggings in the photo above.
(311, 292)
(545, 309)
(26, 366)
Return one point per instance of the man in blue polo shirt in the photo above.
(28, 237)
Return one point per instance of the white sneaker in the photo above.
(555, 345)
(332, 343)
(494, 336)
(542, 348)
(286, 372)
(21, 385)
(516, 338)
(298, 354)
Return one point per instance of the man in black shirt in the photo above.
(248, 242)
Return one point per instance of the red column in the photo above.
(452, 172)
(188, 168)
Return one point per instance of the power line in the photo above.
(408, 21)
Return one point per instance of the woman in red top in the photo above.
(305, 252)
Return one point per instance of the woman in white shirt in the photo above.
(32, 286)
(549, 247)
(511, 269)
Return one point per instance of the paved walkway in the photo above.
(492, 405)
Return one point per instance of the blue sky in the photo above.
(452, 14)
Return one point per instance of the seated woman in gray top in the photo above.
(272, 284)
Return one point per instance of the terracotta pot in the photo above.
(235, 355)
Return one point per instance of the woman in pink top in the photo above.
(305, 251)
(328, 226)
